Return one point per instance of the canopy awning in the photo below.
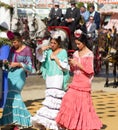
(110, 11)
(108, 1)
(100, 1)
(90, 1)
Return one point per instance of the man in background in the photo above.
(55, 15)
(72, 17)
(91, 27)
(84, 13)
(96, 16)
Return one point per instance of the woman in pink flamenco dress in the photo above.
(77, 111)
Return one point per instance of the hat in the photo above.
(72, 2)
(56, 3)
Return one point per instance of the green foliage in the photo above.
(79, 4)
(4, 41)
(88, 5)
(5, 5)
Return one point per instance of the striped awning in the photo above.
(108, 1)
(85, 1)
(100, 1)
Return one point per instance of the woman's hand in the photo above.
(5, 62)
(40, 50)
(14, 64)
(52, 57)
(73, 62)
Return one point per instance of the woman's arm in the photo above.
(62, 62)
(40, 55)
(86, 67)
(26, 64)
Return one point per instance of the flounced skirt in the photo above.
(77, 111)
(46, 115)
(15, 111)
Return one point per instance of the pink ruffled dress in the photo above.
(77, 111)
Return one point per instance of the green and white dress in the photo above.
(56, 82)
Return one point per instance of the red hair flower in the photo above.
(77, 33)
(10, 35)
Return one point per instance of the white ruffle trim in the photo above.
(50, 124)
(52, 103)
(47, 113)
(55, 93)
(47, 122)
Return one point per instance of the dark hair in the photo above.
(59, 41)
(84, 40)
(83, 6)
(72, 2)
(110, 29)
(57, 6)
(92, 6)
(17, 36)
(82, 25)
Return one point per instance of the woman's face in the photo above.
(54, 45)
(79, 44)
(16, 44)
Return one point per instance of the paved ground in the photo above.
(105, 99)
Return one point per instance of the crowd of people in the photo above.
(73, 15)
(66, 105)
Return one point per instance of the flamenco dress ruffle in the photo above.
(77, 111)
(47, 114)
(15, 111)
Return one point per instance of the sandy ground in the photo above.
(105, 99)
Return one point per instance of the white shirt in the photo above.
(88, 25)
(92, 14)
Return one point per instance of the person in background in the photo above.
(55, 71)
(91, 27)
(77, 111)
(114, 35)
(84, 13)
(19, 63)
(96, 16)
(55, 15)
(72, 17)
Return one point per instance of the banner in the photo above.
(108, 1)
(100, 1)
(87, 1)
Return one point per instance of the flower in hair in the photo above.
(10, 35)
(55, 34)
(77, 33)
